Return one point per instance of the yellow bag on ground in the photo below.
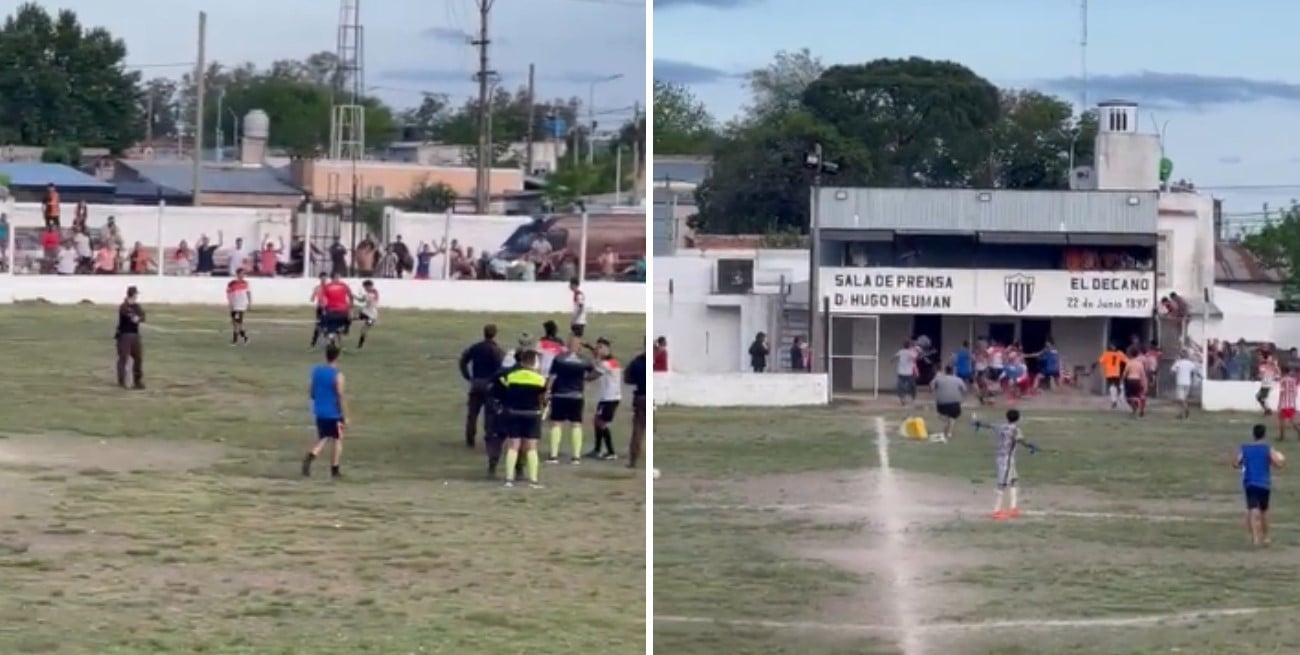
(914, 428)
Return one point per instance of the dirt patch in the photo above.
(114, 456)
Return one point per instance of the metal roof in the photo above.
(682, 169)
(1234, 263)
(33, 174)
(213, 179)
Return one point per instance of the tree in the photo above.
(159, 107)
(565, 186)
(62, 83)
(779, 87)
(430, 198)
(1033, 140)
(682, 125)
(1277, 245)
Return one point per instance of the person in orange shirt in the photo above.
(140, 259)
(1112, 364)
(50, 206)
(105, 260)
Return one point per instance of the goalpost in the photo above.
(854, 347)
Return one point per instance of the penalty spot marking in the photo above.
(1148, 620)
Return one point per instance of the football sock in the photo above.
(512, 459)
(575, 436)
(1015, 497)
(533, 463)
(997, 505)
(557, 435)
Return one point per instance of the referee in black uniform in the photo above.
(129, 317)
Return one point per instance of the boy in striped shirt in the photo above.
(239, 297)
(1286, 401)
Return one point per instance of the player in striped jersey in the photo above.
(239, 297)
(611, 394)
(578, 322)
(1286, 402)
(369, 313)
(1268, 374)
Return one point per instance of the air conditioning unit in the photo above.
(735, 276)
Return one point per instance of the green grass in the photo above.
(781, 580)
(173, 520)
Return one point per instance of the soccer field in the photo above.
(820, 532)
(174, 520)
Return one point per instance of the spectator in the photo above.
(366, 256)
(105, 259)
(338, 258)
(68, 260)
(50, 207)
(268, 258)
(609, 263)
(758, 351)
(422, 261)
(403, 254)
(238, 257)
(114, 234)
(183, 258)
(140, 261)
(81, 216)
(661, 355)
(389, 265)
(49, 247)
(85, 255)
(205, 254)
(798, 355)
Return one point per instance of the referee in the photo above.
(129, 317)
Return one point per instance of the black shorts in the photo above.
(329, 428)
(1112, 382)
(606, 409)
(523, 426)
(1134, 388)
(1263, 393)
(566, 410)
(1257, 498)
(949, 410)
(578, 329)
(335, 321)
(320, 314)
(367, 319)
(237, 316)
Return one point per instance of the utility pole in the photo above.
(148, 123)
(484, 78)
(200, 84)
(638, 166)
(532, 118)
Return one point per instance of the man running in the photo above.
(568, 382)
(1257, 460)
(1112, 370)
(611, 393)
(1185, 372)
(948, 393)
(329, 405)
(1135, 383)
(578, 324)
(1286, 402)
(479, 365)
(239, 297)
(1267, 378)
(1010, 438)
(905, 366)
(634, 376)
(338, 309)
(318, 299)
(129, 317)
(523, 396)
(369, 313)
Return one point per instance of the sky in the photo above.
(1218, 77)
(411, 46)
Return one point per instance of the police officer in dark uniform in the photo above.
(129, 317)
(479, 364)
(634, 376)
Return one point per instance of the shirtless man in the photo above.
(1135, 382)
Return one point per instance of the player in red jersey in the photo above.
(1286, 401)
(318, 299)
(239, 297)
(338, 309)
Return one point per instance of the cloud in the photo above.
(707, 4)
(681, 72)
(1180, 90)
(448, 35)
(1230, 160)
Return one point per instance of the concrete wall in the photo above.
(1187, 222)
(152, 225)
(327, 179)
(740, 389)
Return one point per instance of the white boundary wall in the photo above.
(1232, 396)
(457, 295)
(741, 389)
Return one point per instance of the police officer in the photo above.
(129, 317)
(478, 365)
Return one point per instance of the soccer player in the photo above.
(239, 297)
(905, 367)
(1112, 369)
(611, 394)
(634, 376)
(569, 375)
(479, 365)
(318, 299)
(338, 309)
(948, 392)
(578, 324)
(523, 396)
(1135, 382)
(369, 313)
(1010, 438)
(1257, 460)
(1185, 371)
(1286, 402)
(1267, 378)
(129, 317)
(329, 404)
(549, 346)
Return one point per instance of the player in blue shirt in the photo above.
(963, 364)
(329, 407)
(1257, 460)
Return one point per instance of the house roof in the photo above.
(691, 170)
(179, 176)
(149, 190)
(33, 174)
(1234, 263)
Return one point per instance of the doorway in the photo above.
(1123, 331)
(929, 326)
(1002, 333)
(1034, 333)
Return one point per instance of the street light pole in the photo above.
(816, 162)
(591, 115)
(221, 137)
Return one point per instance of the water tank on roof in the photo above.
(257, 125)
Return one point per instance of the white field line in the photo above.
(1148, 620)
(888, 507)
(1048, 513)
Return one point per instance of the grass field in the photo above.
(802, 531)
(174, 520)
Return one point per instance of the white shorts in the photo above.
(1182, 391)
(1006, 472)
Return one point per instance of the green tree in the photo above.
(682, 124)
(778, 88)
(160, 107)
(430, 198)
(1277, 245)
(63, 83)
(1033, 139)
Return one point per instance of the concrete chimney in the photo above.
(257, 128)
